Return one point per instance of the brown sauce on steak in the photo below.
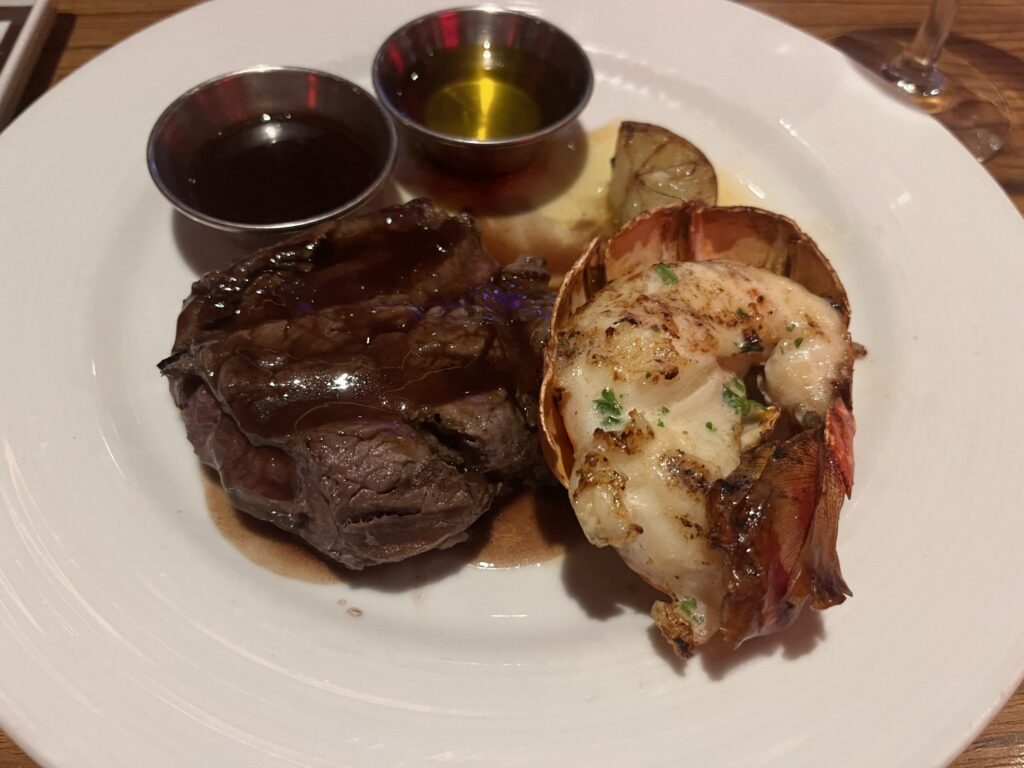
(369, 359)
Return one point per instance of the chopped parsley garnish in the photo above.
(647, 375)
(710, 426)
(689, 609)
(608, 406)
(668, 277)
(798, 342)
(656, 328)
(791, 327)
(750, 345)
(664, 409)
(661, 423)
(742, 314)
(735, 395)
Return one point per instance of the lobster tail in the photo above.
(776, 518)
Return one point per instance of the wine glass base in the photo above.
(955, 93)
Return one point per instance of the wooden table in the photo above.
(87, 27)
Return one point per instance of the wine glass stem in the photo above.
(914, 69)
(932, 33)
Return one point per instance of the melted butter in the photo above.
(734, 189)
(561, 229)
(551, 208)
(586, 198)
(487, 91)
(482, 107)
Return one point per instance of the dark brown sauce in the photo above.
(263, 543)
(527, 528)
(531, 526)
(279, 168)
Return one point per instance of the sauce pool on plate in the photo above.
(525, 528)
(263, 543)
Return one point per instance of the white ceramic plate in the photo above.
(131, 633)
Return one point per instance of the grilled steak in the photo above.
(370, 387)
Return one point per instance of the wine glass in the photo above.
(957, 94)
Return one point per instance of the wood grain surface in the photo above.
(989, 32)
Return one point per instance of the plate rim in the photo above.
(14, 728)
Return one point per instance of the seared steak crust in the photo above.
(370, 387)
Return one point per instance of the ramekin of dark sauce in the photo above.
(271, 149)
